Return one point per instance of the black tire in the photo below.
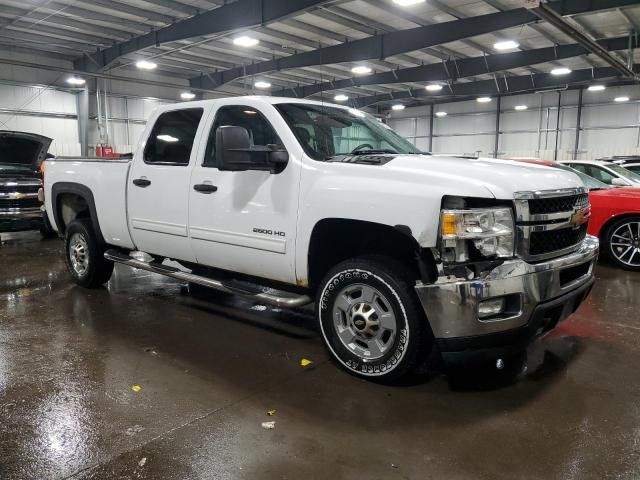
(408, 353)
(98, 270)
(631, 260)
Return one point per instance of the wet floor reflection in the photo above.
(209, 368)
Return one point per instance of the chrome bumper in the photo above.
(451, 306)
(30, 213)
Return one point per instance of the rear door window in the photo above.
(172, 136)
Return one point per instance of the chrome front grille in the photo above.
(16, 194)
(550, 223)
(541, 206)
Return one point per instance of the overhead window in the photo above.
(172, 136)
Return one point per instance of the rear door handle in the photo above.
(205, 188)
(141, 182)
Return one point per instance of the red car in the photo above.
(615, 217)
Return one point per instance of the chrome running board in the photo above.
(278, 298)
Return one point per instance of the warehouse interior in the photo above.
(147, 377)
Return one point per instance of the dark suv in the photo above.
(21, 157)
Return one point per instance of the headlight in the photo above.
(490, 231)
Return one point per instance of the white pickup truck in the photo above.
(408, 257)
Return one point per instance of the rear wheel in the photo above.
(371, 320)
(623, 243)
(84, 255)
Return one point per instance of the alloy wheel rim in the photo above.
(625, 243)
(364, 321)
(79, 254)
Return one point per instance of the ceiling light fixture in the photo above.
(596, 88)
(621, 99)
(187, 95)
(408, 3)
(441, 114)
(146, 65)
(560, 71)
(262, 85)
(245, 41)
(434, 87)
(506, 45)
(484, 99)
(521, 107)
(361, 70)
(341, 98)
(398, 106)
(76, 81)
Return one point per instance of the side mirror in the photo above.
(232, 148)
(619, 182)
(234, 152)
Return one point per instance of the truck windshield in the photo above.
(327, 132)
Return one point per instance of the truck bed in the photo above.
(106, 179)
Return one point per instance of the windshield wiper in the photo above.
(372, 152)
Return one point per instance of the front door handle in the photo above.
(205, 188)
(142, 182)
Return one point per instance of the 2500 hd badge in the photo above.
(264, 231)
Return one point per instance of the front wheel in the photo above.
(623, 243)
(85, 256)
(371, 320)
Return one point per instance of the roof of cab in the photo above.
(254, 98)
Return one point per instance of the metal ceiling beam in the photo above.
(502, 86)
(65, 23)
(229, 17)
(402, 41)
(348, 19)
(462, 68)
(548, 14)
(378, 46)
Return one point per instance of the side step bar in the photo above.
(278, 298)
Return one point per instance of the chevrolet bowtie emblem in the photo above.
(578, 218)
(17, 195)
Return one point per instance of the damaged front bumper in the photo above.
(535, 297)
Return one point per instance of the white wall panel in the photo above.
(464, 145)
(405, 126)
(608, 128)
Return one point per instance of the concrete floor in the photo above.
(209, 372)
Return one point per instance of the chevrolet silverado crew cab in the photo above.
(407, 256)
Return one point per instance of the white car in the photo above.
(606, 172)
(407, 256)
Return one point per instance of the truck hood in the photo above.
(21, 153)
(502, 178)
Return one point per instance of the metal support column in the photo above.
(578, 124)
(82, 107)
(497, 140)
(431, 114)
(555, 152)
(630, 51)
